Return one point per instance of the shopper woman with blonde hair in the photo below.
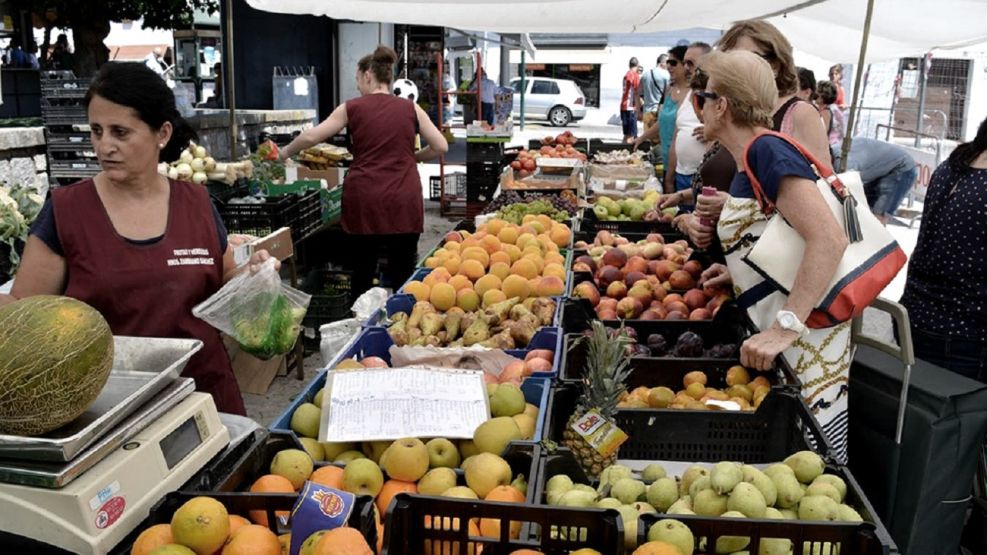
(789, 115)
(737, 107)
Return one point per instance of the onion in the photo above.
(197, 165)
(200, 152)
(184, 170)
(172, 173)
(199, 178)
(186, 156)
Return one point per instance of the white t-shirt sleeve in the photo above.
(688, 150)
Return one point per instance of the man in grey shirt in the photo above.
(653, 85)
(888, 172)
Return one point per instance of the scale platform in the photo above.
(109, 488)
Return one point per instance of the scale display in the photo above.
(182, 441)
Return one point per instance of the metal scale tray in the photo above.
(142, 367)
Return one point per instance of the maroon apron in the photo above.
(148, 290)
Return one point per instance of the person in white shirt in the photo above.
(686, 152)
(154, 61)
(488, 89)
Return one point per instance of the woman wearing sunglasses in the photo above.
(675, 92)
(737, 107)
(790, 114)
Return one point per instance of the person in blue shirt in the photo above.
(488, 90)
(654, 82)
(887, 171)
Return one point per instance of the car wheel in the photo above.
(559, 116)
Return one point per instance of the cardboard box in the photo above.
(278, 244)
(333, 177)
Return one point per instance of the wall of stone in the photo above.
(23, 156)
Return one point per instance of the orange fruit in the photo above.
(202, 525)
(472, 269)
(237, 522)
(505, 494)
(270, 483)
(486, 283)
(500, 269)
(467, 299)
(490, 527)
(492, 297)
(417, 289)
(525, 268)
(252, 540)
(515, 286)
(331, 476)
(460, 282)
(390, 489)
(526, 552)
(657, 548)
(500, 256)
(442, 296)
(342, 541)
(508, 235)
(151, 539)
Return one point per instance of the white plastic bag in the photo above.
(369, 303)
(258, 311)
(337, 335)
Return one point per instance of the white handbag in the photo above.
(870, 262)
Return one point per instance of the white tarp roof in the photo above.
(830, 29)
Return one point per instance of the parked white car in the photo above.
(559, 101)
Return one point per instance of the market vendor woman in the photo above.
(382, 194)
(112, 241)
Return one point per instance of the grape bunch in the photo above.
(515, 213)
(510, 204)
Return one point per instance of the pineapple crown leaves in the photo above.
(606, 371)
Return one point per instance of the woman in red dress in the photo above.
(382, 194)
(120, 241)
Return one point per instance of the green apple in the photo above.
(442, 453)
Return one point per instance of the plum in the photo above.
(658, 344)
(688, 345)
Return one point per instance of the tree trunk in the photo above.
(44, 57)
(90, 52)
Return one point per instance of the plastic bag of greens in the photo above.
(257, 310)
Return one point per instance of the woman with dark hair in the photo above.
(382, 193)
(946, 291)
(118, 241)
(675, 92)
(833, 119)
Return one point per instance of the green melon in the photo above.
(55, 357)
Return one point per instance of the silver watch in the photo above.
(787, 320)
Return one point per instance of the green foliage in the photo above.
(156, 14)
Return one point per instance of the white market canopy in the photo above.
(830, 29)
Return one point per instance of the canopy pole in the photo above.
(848, 138)
(524, 86)
(230, 96)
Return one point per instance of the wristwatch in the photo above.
(787, 320)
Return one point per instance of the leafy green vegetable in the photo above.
(269, 333)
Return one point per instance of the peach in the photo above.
(560, 235)
(642, 295)
(525, 268)
(513, 372)
(694, 268)
(607, 275)
(608, 303)
(604, 238)
(550, 286)
(500, 269)
(587, 260)
(680, 279)
(492, 297)
(659, 293)
(486, 283)
(607, 314)
(442, 296)
(418, 289)
(700, 314)
(615, 258)
(581, 267)
(695, 299)
(664, 269)
(678, 306)
(636, 264)
(630, 278)
(454, 237)
(478, 254)
(508, 235)
(717, 301)
(695, 376)
(629, 308)
(554, 270)
(467, 299)
(617, 290)
(655, 238)
(652, 251)
(472, 269)
(515, 286)
(460, 282)
(675, 315)
(652, 314)
(586, 290)
(537, 365)
(546, 354)
(671, 298)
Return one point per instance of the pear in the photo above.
(681, 507)
(834, 481)
(559, 482)
(724, 477)
(486, 471)
(608, 503)
(436, 481)
(789, 514)
(653, 472)
(493, 435)
(822, 488)
(690, 475)
(507, 400)
(703, 482)
(777, 469)
(630, 517)
(729, 544)
(774, 546)
(818, 507)
(675, 533)
(762, 482)
(612, 473)
(709, 503)
(806, 465)
(849, 514)
(747, 500)
(789, 491)
(461, 492)
(577, 498)
(662, 493)
(520, 484)
(585, 487)
(628, 490)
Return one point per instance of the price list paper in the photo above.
(389, 404)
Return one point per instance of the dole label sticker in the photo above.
(600, 432)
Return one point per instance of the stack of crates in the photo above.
(71, 155)
(483, 167)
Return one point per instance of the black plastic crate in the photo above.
(80, 139)
(590, 223)
(64, 88)
(362, 518)
(455, 186)
(481, 190)
(261, 219)
(484, 169)
(782, 425)
(237, 470)
(484, 152)
(589, 236)
(421, 524)
(578, 314)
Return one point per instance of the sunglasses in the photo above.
(701, 97)
(671, 62)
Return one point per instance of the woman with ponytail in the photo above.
(946, 291)
(382, 194)
(138, 247)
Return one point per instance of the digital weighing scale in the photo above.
(86, 486)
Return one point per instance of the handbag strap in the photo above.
(851, 223)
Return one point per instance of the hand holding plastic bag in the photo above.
(262, 314)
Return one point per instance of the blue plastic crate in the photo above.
(404, 302)
(376, 342)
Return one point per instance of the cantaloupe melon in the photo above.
(55, 357)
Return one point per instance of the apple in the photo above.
(438, 480)
(407, 459)
(601, 212)
(363, 477)
(442, 453)
(486, 471)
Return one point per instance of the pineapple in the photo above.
(602, 384)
